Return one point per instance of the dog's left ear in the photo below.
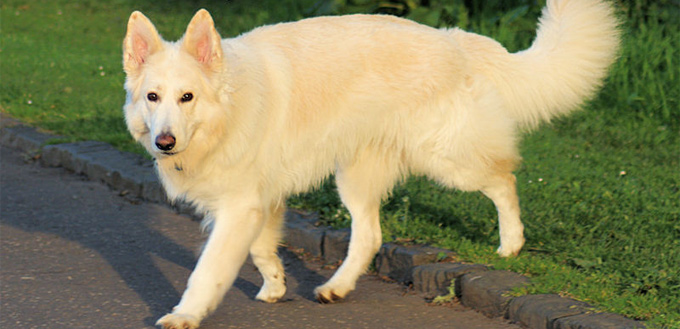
(202, 41)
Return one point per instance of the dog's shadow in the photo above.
(117, 231)
(306, 279)
(151, 248)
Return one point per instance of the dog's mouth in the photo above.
(163, 154)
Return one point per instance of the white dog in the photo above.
(237, 125)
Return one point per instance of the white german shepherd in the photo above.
(237, 125)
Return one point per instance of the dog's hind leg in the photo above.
(361, 186)
(502, 191)
(498, 183)
(263, 253)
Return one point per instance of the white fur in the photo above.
(371, 98)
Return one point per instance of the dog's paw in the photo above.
(506, 252)
(271, 292)
(178, 321)
(327, 294)
(512, 248)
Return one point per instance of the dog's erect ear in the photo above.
(141, 41)
(202, 41)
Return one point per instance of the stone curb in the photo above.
(477, 286)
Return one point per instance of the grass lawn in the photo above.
(600, 190)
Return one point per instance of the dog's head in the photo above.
(172, 88)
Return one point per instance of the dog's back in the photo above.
(339, 85)
(440, 98)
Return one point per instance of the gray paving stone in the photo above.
(487, 292)
(66, 155)
(541, 311)
(25, 138)
(55, 156)
(335, 244)
(301, 233)
(101, 162)
(122, 171)
(435, 279)
(397, 261)
(597, 321)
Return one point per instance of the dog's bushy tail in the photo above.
(576, 42)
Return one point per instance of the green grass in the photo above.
(61, 63)
(600, 190)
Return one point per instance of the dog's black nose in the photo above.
(165, 142)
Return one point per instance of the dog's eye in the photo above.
(187, 97)
(152, 97)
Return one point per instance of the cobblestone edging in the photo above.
(477, 286)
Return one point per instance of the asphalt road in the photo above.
(75, 254)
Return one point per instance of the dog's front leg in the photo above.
(225, 252)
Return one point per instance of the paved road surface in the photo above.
(75, 254)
